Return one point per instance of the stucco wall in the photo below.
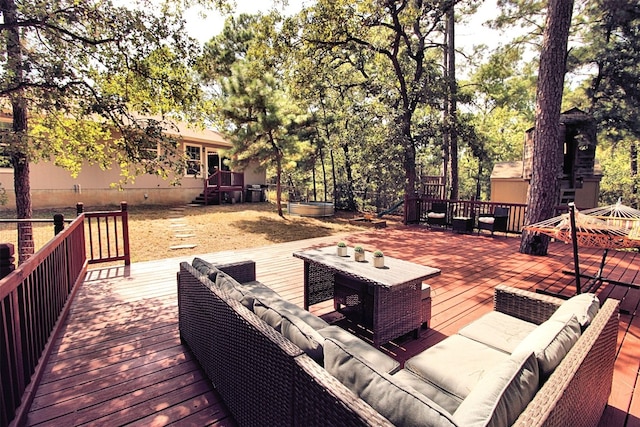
(52, 186)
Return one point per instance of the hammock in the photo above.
(610, 227)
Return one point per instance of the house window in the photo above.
(194, 159)
(149, 150)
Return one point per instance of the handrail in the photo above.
(220, 179)
(416, 208)
(34, 302)
(108, 235)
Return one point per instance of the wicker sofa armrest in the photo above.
(525, 305)
(578, 390)
(241, 271)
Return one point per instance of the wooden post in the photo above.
(574, 241)
(79, 208)
(7, 260)
(58, 223)
(125, 232)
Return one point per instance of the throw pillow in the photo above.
(205, 268)
(501, 395)
(551, 341)
(304, 336)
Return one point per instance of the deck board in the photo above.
(119, 359)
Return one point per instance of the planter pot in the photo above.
(359, 256)
(342, 251)
(378, 261)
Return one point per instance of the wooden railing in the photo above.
(108, 235)
(223, 181)
(34, 302)
(416, 208)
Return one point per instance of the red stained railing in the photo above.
(416, 208)
(34, 302)
(108, 235)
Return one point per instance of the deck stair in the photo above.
(219, 188)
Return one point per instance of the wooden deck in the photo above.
(119, 359)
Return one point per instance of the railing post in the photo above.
(7, 260)
(125, 232)
(79, 208)
(58, 223)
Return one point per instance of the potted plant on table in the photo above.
(358, 253)
(342, 249)
(378, 259)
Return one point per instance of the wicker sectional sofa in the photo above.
(276, 364)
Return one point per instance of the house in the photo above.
(53, 186)
(581, 172)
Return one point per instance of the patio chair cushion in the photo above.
(436, 215)
(487, 219)
(551, 341)
(502, 394)
(454, 366)
(361, 349)
(400, 404)
(583, 306)
(498, 330)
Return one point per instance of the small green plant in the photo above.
(359, 249)
(378, 254)
(342, 245)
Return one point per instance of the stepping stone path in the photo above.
(181, 228)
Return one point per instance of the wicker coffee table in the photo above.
(386, 300)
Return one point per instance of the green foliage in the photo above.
(91, 71)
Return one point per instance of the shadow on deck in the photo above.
(119, 359)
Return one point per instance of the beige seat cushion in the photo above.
(498, 330)
(486, 219)
(501, 395)
(402, 405)
(436, 215)
(454, 367)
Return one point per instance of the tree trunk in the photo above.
(634, 175)
(19, 159)
(547, 151)
(452, 104)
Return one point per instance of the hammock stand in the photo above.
(611, 227)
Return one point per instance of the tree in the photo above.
(74, 73)
(394, 39)
(257, 113)
(547, 151)
(611, 34)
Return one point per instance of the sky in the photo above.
(203, 29)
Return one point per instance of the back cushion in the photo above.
(403, 406)
(205, 268)
(583, 306)
(304, 336)
(551, 341)
(501, 395)
(369, 354)
(229, 285)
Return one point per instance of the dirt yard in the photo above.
(154, 231)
